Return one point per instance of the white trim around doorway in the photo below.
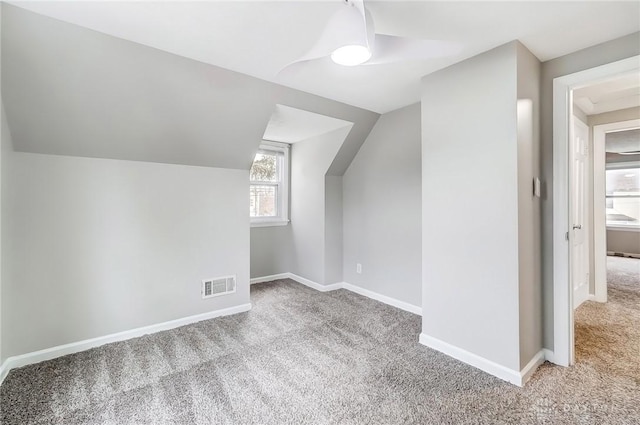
(563, 337)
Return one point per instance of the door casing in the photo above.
(563, 322)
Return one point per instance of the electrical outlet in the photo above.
(359, 268)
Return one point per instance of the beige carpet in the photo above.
(604, 385)
(608, 335)
(305, 357)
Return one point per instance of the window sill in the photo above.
(624, 228)
(269, 223)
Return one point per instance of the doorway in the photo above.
(613, 161)
(569, 223)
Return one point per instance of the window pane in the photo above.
(623, 196)
(262, 200)
(264, 168)
(623, 181)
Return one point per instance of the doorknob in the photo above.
(577, 226)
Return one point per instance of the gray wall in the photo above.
(470, 206)
(98, 246)
(104, 97)
(613, 116)
(271, 250)
(591, 57)
(382, 207)
(133, 102)
(623, 241)
(310, 161)
(272, 247)
(333, 230)
(529, 218)
(311, 244)
(5, 156)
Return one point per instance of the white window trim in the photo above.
(282, 219)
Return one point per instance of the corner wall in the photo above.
(470, 292)
(310, 161)
(382, 209)
(333, 232)
(309, 246)
(529, 216)
(5, 156)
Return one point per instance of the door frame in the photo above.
(563, 327)
(599, 211)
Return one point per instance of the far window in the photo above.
(623, 197)
(268, 190)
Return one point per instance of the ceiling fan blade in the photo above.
(294, 69)
(349, 25)
(390, 49)
(369, 28)
(312, 54)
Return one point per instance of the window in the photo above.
(268, 188)
(623, 197)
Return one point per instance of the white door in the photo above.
(579, 213)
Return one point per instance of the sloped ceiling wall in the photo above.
(72, 91)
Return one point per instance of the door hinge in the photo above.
(566, 236)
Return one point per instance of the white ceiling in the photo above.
(610, 95)
(260, 38)
(291, 125)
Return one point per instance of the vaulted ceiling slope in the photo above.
(68, 90)
(259, 38)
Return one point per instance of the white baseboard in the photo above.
(343, 285)
(62, 350)
(4, 370)
(515, 377)
(299, 279)
(74, 347)
(269, 278)
(532, 366)
(383, 298)
(315, 285)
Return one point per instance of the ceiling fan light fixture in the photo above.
(351, 55)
